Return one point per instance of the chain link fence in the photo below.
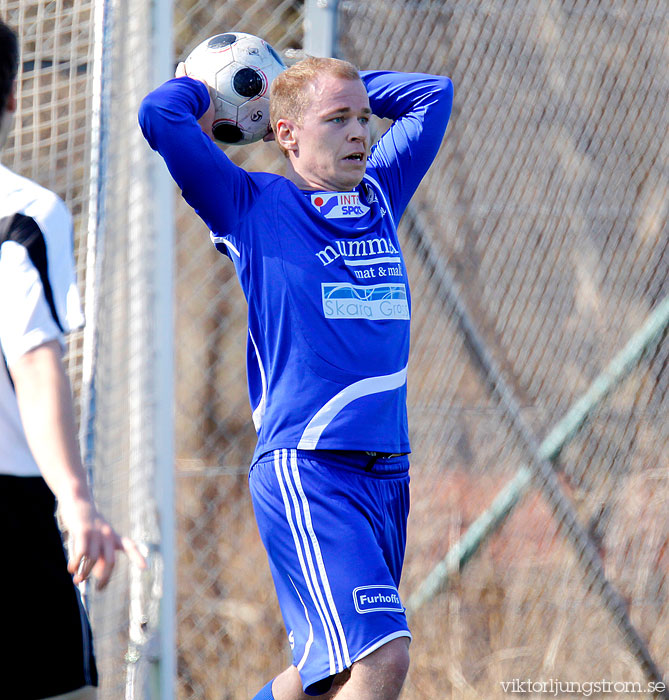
(51, 139)
(537, 250)
(230, 634)
(84, 67)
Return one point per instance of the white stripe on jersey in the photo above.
(327, 413)
(369, 178)
(219, 239)
(259, 411)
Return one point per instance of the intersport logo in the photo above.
(339, 205)
(377, 598)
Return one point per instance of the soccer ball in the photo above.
(240, 67)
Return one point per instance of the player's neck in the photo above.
(305, 181)
(298, 179)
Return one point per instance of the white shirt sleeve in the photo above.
(26, 321)
(38, 305)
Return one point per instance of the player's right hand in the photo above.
(206, 121)
(93, 543)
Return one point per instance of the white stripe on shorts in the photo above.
(321, 564)
(307, 571)
(298, 514)
(310, 639)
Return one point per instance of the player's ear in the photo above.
(285, 135)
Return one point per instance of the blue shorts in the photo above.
(334, 527)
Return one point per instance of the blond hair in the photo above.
(289, 93)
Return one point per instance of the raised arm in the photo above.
(217, 189)
(420, 107)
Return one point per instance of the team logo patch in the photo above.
(376, 599)
(339, 205)
(374, 302)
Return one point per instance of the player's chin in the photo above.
(349, 183)
(352, 172)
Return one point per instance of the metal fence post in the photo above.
(320, 27)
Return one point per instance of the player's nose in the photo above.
(359, 132)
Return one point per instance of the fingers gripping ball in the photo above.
(240, 67)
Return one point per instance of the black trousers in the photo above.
(48, 646)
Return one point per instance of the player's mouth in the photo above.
(358, 156)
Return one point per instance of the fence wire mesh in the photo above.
(51, 138)
(53, 143)
(545, 222)
(537, 247)
(230, 634)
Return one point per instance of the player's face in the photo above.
(332, 142)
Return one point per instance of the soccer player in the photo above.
(317, 254)
(47, 645)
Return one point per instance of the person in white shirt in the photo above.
(48, 650)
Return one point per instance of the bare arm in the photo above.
(45, 403)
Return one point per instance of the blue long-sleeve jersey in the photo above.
(323, 274)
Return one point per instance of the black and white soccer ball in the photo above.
(240, 67)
